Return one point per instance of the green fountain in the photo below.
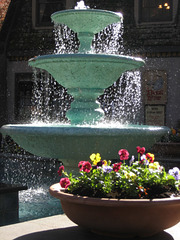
(85, 75)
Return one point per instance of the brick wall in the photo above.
(4, 4)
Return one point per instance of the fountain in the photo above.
(85, 75)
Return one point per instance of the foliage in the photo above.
(174, 136)
(142, 178)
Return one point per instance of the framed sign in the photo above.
(155, 87)
(155, 115)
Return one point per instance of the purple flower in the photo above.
(143, 160)
(107, 169)
(132, 160)
(175, 172)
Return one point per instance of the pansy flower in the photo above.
(95, 158)
(80, 165)
(61, 170)
(86, 166)
(116, 167)
(150, 157)
(143, 160)
(123, 154)
(140, 150)
(107, 169)
(155, 166)
(65, 182)
(175, 172)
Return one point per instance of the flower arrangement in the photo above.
(142, 177)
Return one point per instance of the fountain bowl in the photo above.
(73, 143)
(85, 76)
(85, 20)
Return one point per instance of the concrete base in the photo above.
(60, 227)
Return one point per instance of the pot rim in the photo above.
(58, 192)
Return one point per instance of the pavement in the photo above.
(59, 227)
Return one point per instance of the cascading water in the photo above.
(50, 100)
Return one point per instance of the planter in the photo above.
(167, 149)
(123, 217)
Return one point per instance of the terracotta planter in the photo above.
(124, 217)
(167, 149)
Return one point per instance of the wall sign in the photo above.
(155, 87)
(155, 115)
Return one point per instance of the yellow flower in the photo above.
(95, 158)
(105, 163)
(150, 157)
(130, 175)
(154, 165)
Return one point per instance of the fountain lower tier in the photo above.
(85, 76)
(72, 144)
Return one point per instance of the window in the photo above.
(155, 10)
(42, 10)
(23, 96)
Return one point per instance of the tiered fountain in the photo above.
(85, 75)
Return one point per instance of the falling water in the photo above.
(122, 101)
(50, 100)
(108, 41)
(65, 40)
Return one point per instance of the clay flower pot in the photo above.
(123, 217)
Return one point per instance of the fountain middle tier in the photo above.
(72, 143)
(85, 76)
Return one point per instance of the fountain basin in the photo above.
(72, 144)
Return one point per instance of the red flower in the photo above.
(80, 165)
(86, 166)
(140, 150)
(124, 154)
(65, 182)
(116, 167)
(150, 157)
(61, 170)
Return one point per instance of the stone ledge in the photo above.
(8, 188)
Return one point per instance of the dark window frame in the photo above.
(50, 6)
(22, 103)
(156, 13)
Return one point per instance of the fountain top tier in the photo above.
(86, 23)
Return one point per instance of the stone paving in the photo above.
(60, 227)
